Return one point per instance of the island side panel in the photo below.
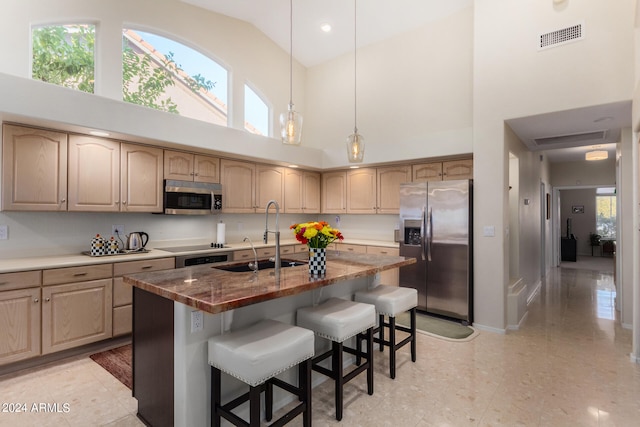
(153, 358)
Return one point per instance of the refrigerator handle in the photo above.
(429, 234)
(423, 237)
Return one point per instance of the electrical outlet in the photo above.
(337, 220)
(4, 232)
(197, 321)
(117, 229)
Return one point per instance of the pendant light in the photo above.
(291, 121)
(355, 141)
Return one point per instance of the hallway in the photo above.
(567, 366)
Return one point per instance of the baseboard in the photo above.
(516, 303)
(489, 328)
(516, 327)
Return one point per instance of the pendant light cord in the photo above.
(355, 70)
(291, 54)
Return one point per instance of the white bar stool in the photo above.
(255, 355)
(338, 320)
(391, 301)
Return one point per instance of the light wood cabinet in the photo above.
(388, 188)
(238, 181)
(34, 169)
(349, 247)
(269, 186)
(75, 314)
(191, 167)
(439, 171)
(123, 293)
(302, 191)
(373, 190)
(141, 178)
(334, 192)
(94, 174)
(19, 316)
(457, 169)
(248, 187)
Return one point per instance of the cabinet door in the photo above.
(293, 190)
(389, 180)
(141, 178)
(387, 277)
(178, 165)
(19, 324)
(34, 169)
(269, 186)
(361, 191)
(334, 192)
(238, 186)
(425, 172)
(94, 174)
(457, 169)
(76, 314)
(311, 192)
(206, 169)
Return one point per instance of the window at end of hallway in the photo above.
(606, 212)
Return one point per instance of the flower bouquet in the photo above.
(317, 236)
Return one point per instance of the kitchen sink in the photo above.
(264, 264)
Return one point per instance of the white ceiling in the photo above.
(382, 19)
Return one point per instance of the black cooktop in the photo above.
(176, 249)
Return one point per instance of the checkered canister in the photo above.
(317, 262)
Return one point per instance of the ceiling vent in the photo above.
(571, 139)
(561, 37)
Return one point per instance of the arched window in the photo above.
(166, 75)
(64, 55)
(256, 113)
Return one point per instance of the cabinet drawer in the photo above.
(248, 253)
(130, 267)
(304, 248)
(122, 320)
(20, 280)
(287, 250)
(122, 292)
(77, 274)
(346, 247)
(242, 255)
(382, 250)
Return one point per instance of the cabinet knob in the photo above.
(124, 202)
(36, 300)
(63, 201)
(47, 299)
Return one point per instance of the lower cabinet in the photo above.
(19, 324)
(387, 277)
(75, 314)
(123, 293)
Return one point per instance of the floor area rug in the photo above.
(117, 362)
(439, 328)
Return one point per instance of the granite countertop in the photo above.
(11, 265)
(213, 290)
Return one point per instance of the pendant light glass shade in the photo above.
(355, 141)
(291, 121)
(355, 147)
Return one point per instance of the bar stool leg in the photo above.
(392, 347)
(254, 407)
(304, 376)
(381, 330)
(370, 361)
(336, 363)
(268, 401)
(216, 387)
(413, 334)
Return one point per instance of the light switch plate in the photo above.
(489, 231)
(4, 232)
(197, 321)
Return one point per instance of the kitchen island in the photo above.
(171, 373)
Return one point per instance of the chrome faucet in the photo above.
(276, 232)
(252, 265)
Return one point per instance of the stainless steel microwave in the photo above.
(192, 198)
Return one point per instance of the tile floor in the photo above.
(567, 366)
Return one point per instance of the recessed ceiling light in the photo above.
(293, 166)
(99, 133)
(325, 27)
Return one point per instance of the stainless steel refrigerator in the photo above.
(436, 229)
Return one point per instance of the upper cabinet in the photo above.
(334, 192)
(94, 174)
(443, 171)
(301, 191)
(247, 187)
(376, 190)
(457, 169)
(34, 169)
(140, 178)
(191, 167)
